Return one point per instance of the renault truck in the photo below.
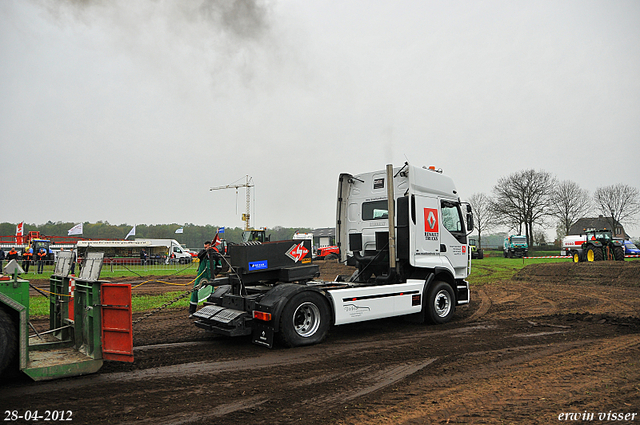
(404, 230)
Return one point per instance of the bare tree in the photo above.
(618, 203)
(523, 199)
(539, 237)
(569, 203)
(482, 214)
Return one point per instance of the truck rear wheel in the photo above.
(8, 340)
(304, 320)
(440, 303)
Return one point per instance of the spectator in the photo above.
(1, 259)
(143, 257)
(210, 264)
(13, 255)
(42, 256)
(27, 255)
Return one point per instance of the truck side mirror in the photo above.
(469, 219)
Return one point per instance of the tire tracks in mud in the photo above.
(365, 382)
(264, 360)
(321, 378)
(485, 305)
(217, 412)
(521, 388)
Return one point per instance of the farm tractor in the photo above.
(256, 235)
(90, 321)
(599, 245)
(476, 253)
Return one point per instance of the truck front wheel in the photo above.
(618, 253)
(8, 340)
(304, 320)
(440, 303)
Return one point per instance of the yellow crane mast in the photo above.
(248, 184)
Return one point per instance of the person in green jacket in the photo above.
(210, 264)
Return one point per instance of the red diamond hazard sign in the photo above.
(297, 252)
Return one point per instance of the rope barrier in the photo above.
(168, 303)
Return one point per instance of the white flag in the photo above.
(132, 232)
(180, 230)
(75, 230)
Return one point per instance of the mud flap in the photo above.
(117, 327)
(262, 335)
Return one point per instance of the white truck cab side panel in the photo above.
(359, 304)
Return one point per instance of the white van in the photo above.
(175, 252)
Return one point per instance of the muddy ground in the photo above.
(555, 339)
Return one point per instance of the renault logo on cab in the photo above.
(431, 220)
(431, 224)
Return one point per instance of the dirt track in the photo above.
(554, 339)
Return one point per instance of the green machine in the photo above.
(90, 321)
(476, 253)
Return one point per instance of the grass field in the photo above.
(496, 267)
(39, 305)
(109, 272)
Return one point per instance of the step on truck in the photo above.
(411, 258)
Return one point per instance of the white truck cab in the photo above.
(431, 223)
(411, 257)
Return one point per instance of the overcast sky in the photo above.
(129, 111)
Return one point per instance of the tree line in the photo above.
(528, 200)
(192, 236)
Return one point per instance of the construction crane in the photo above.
(248, 184)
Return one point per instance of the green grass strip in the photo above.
(39, 305)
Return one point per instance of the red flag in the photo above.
(216, 240)
(19, 233)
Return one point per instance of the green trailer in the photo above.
(90, 321)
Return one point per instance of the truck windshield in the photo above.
(518, 239)
(375, 210)
(252, 235)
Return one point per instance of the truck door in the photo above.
(453, 237)
(425, 238)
